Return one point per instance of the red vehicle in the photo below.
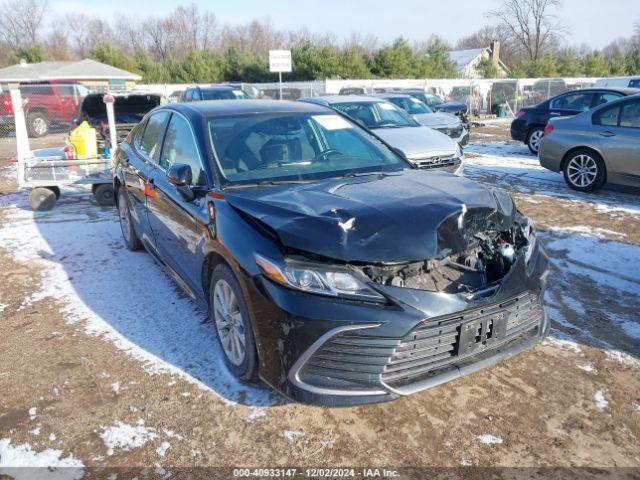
(52, 102)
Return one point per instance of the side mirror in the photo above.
(180, 175)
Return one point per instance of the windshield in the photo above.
(433, 100)
(376, 114)
(411, 105)
(224, 95)
(274, 147)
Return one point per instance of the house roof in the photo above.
(86, 69)
(462, 58)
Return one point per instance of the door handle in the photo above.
(607, 134)
(554, 114)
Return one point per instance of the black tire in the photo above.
(595, 171)
(38, 124)
(533, 139)
(104, 195)
(55, 190)
(42, 199)
(131, 240)
(247, 371)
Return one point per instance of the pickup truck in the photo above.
(48, 103)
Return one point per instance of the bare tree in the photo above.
(21, 21)
(530, 24)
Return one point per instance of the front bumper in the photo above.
(460, 135)
(341, 353)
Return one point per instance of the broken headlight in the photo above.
(529, 234)
(317, 279)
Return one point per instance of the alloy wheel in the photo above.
(229, 322)
(39, 126)
(582, 170)
(534, 139)
(125, 222)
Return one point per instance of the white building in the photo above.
(467, 61)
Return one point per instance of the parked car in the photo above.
(594, 147)
(422, 146)
(528, 126)
(436, 103)
(48, 103)
(446, 123)
(618, 82)
(213, 92)
(330, 267)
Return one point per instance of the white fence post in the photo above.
(22, 138)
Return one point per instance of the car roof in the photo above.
(392, 95)
(217, 87)
(624, 91)
(333, 99)
(218, 108)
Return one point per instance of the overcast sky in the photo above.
(592, 22)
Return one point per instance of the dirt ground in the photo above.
(95, 398)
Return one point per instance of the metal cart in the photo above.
(45, 171)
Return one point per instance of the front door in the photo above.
(172, 218)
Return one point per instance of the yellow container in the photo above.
(85, 141)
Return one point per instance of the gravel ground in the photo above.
(106, 364)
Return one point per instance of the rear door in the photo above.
(618, 128)
(174, 220)
(570, 104)
(136, 166)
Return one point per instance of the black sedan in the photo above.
(528, 126)
(330, 268)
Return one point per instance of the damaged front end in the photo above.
(487, 258)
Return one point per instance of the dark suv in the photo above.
(330, 267)
(214, 92)
(528, 126)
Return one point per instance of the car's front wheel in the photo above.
(232, 324)
(584, 170)
(126, 224)
(533, 140)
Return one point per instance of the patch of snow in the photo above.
(588, 231)
(116, 387)
(622, 358)
(489, 439)
(466, 463)
(256, 413)
(168, 333)
(126, 437)
(563, 341)
(291, 435)
(2, 307)
(35, 431)
(636, 407)
(185, 394)
(162, 449)
(601, 402)
(53, 465)
(52, 437)
(32, 413)
(589, 368)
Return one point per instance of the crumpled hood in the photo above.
(438, 119)
(418, 142)
(404, 216)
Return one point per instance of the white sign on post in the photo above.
(279, 61)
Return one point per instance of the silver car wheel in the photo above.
(582, 170)
(229, 323)
(125, 222)
(534, 139)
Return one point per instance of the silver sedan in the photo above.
(597, 146)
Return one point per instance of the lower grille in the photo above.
(427, 163)
(436, 344)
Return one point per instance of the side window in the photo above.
(607, 117)
(180, 147)
(602, 98)
(576, 101)
(151, 135)
(635, 83)
(630, 115)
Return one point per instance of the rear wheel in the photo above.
(231, 322)
(42, 199)
(37, 124)
(584, 170)
(104, 195)
(126, 225)
(55, 190)
(533, 140)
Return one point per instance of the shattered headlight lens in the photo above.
(529, 234)
(315, 279)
